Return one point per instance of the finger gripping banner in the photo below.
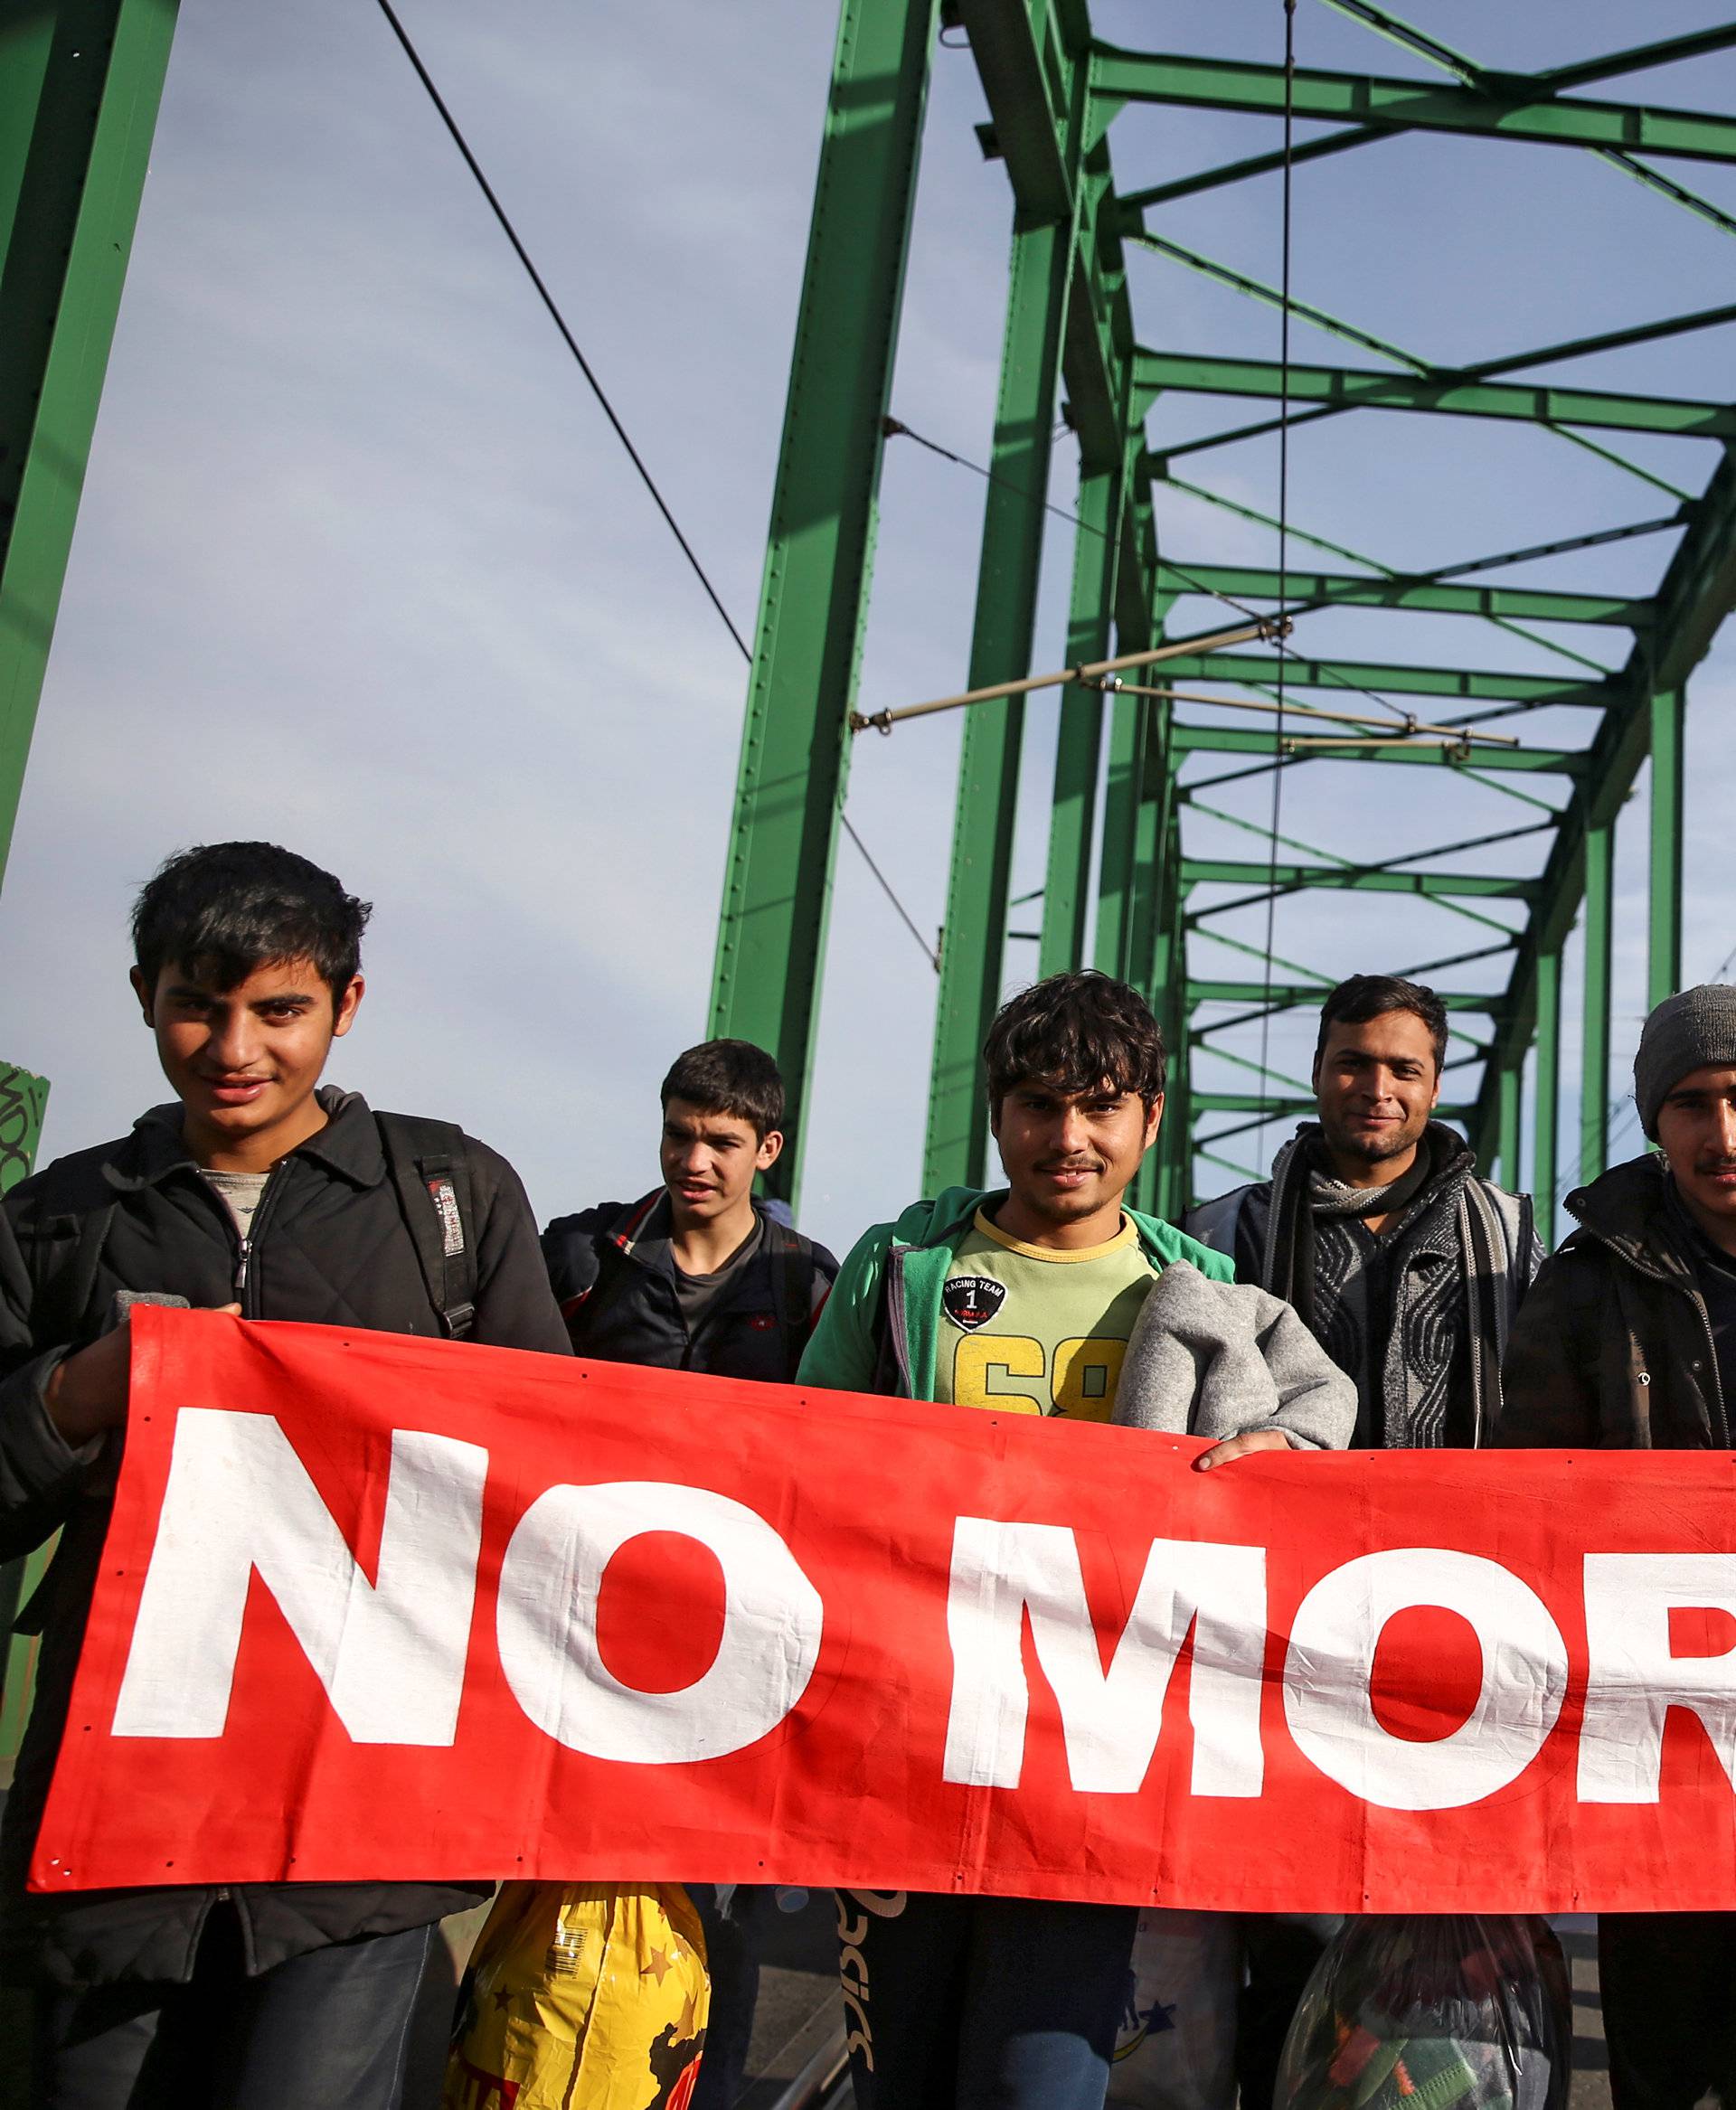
(379, 1608)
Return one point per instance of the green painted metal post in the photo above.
(795, 744)
(1664, 949)
(974, 943)
(1124, 790)
(79, 85)
(1116, 869)
(24, 1100)
(1547, 1105)
(1067, 893)
(1594, 1070)
(1506, 1147)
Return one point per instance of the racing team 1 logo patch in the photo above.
(972, 1299)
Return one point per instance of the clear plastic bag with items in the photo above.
(1433, 2011)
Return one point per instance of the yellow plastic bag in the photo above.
(583, 1996)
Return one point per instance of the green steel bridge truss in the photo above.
(80, 85)
(1054, 92)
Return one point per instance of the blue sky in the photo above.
(361, 567)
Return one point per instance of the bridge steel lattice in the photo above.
(1119, 867)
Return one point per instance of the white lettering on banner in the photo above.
(1635, 1679)
(773, 1621)
(1332, 1640)
(389, 1653)
(1110, 1721)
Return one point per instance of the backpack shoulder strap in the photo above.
(431, 1169)
(793, 1258)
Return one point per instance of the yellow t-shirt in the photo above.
(1030, 1330)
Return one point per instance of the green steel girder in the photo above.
(819, 555)
(1234, 871)
(1305, 590)
(1528, 112)
(1471, 685)
(1235, 740)
(1294, 995)
(1440, 389)
(1052, 94)
(1697, 592)
(1060, 319)
(1665, 52)
(79, 85)
(988, 771)
(1206, 1102)
(1066, 896)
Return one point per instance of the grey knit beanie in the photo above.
(1690, 1032)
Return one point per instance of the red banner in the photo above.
(375, 1607)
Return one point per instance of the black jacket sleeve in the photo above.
(515, 1305)
(1549, 1381)
(41, 1476)
(571, 1252)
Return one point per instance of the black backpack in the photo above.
(430, 1168)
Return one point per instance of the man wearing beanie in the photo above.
(1628, 1341)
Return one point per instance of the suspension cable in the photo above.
(422, 74)
(1283, 529)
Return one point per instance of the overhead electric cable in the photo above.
(597, 389)
(1283, 518)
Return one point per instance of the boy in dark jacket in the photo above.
(255, 1190)
(1627, 1342)
(699, 1275)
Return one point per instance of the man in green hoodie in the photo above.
(1022, 1301)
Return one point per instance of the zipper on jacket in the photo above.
(1716, 1391)
(1629, 1250)
(246, 1246)
(895, 1316)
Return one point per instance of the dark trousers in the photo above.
(1668, 1981)
(1282, 1950)
(329, 2029)
(733, 1917)
(981, 2003)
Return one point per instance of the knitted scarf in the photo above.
(1447, 1259)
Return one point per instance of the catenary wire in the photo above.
(609, 410)
(896, 428)
(1283, 532)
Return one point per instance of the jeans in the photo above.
(1668, 1981)
(330, 2027)
(981, 2003)
(733, 1917)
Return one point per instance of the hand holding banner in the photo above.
(380, 1608)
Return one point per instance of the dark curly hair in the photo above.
(729, 1077)
(1076, 1033)
(1363, 997)
(225, 910)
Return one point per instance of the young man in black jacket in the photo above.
(258, 1191)
(1629, 1343)
(698, 1275)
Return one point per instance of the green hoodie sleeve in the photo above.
(841, 1352)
